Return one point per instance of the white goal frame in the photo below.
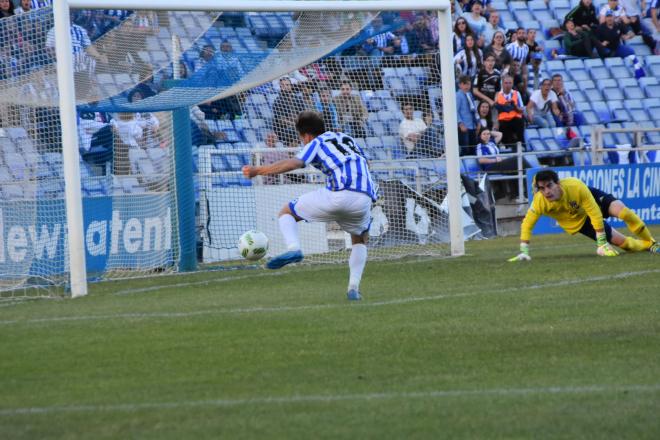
(67, 101)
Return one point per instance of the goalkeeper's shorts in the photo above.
(588, 230)
(350, 209)
(603, 199)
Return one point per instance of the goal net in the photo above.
(239, 79)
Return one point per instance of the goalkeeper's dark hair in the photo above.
(310, 122)
(546, 176)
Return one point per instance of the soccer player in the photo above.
(580, 208)
(346, 199)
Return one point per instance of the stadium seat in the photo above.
(601, 109)
(627, 82)
(593, 95)
(633, 93)
(613, 94)
(604, 83)
(591, 117)
(639, 115)
(377, 128)
(620, 72)
(631, 104)
(578, 96)
(578, 75)
(653, 91)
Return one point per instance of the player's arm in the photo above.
(596, 216)
(526, 228)
(279, 167)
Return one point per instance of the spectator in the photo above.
(328, 110)
(38, 4)
(410, 128)
(85, 54)
(127, 135)
(431, 141)
(351, 110)
(468, 59)
(25, 6)
(489, 160)
(6, 8)
(579, 42)
(466, 113)
(519, 50)
(488, 81)
(653, 13)
(634, 14)
(147, 121)
(492, 26)
(569, 115)
(584, 16)
(535, 54)
(271, 141)
(475, 20)
(610, 35)
(509, 105)
(485, 118)
(502, 56)
(379, 43)
(519, 81)
(617, 11)
(542, 106)
(206, 56)
(286, 107)
(201, 134)
(461, 30)
(421, 37)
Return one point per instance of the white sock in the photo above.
(356, 263)
(289, 229)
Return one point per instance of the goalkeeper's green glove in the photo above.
(523, 255)
(604, 248)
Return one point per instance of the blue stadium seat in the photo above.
(603, 112)
(591, 117)
(578, 96)
(631, 104)
(374, 104)
(633, 93)
(620, 72)
(578, 75)
(612, 93)
(555, 66)
(604, 83)
(614, 105)
(592, 95)
(639, 115)
(531, 135)
(385, 115)
(581, 158)
(377, 128)
(593, 62)
(653, 91)
(614, 61)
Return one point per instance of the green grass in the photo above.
(564, 346)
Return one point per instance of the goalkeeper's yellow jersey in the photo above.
(570, 211)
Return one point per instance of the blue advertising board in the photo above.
(637, 185)
(124, 232)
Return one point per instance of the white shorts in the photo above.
(350, 209)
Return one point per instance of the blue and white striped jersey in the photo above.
(79, 42)
(518, 52)
(343, 162)
(38, 4)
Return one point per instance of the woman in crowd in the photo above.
(468, 60)
(498, 49)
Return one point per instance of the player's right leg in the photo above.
(289, 228)
(356, 263)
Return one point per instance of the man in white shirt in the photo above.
(542, 106)
(410, 128)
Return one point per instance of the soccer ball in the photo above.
(253, 245)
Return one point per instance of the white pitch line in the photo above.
(277, 309)
(270, 400)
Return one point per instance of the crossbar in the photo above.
(266, 5)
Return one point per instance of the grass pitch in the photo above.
(564, 346)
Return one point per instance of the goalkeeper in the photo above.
(579, 208)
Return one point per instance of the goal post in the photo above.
(186, 232)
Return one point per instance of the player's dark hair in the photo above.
(546, 176)
(310, 123)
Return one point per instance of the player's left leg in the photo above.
(633, 222)
(354, 217)
(356, 263)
